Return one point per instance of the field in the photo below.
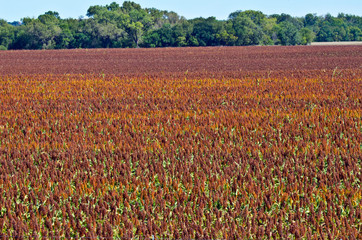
(213, 143)
(336, 43)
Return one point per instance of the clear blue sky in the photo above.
(17, 9)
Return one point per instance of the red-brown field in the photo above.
(225, 142)
(208, 62)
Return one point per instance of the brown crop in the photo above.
(214, 62)
(231, 142)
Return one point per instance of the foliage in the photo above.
(6, 34)
(130, 25)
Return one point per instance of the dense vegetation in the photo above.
(130, 25)
(189, 143)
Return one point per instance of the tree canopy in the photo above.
(129, 25)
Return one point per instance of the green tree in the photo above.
(94, 10)
(310, 20)
(81, 40)
(34, 34)
(256, 16)
(297, 22)
(307, 36)
(129, 25)
(226, 39)
(49, 17)
(129, 6)
(63, 40)
(207, 31)
(332, 29)
(6, 34)
(136, 21)
(107, 26)
(354, 34)
(162, 37)
(269, 26)
(288, 34)
(182, 32)
(246, 31)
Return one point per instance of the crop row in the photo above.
(214, 62)
(100, 155)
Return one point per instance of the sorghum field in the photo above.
(213, 143)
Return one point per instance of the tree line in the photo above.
(129, 25)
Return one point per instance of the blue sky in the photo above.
(15, 10)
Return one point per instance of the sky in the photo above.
(17, 9)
